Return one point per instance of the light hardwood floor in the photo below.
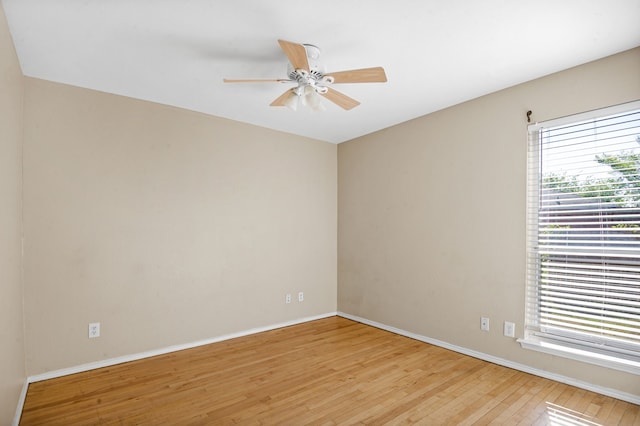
(327, 372)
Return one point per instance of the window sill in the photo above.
(617, 363)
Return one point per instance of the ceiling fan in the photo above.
(313, 81)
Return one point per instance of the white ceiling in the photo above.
(436, 53)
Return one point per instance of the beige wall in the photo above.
(432, 215)
(12, 369)
(165, 225)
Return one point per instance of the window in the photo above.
(583, 237)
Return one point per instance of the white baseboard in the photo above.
(624, 396)
(133, 357)
(23, 396)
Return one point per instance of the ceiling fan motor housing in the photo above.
(316, 72)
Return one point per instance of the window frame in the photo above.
(534, 339)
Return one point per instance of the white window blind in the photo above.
(583, 266)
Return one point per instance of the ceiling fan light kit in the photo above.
(303, 96)
(313, 81)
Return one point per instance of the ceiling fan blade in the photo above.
(365, 75)
(296, 53)
(257, 80)
(280, 100)
(340, 99)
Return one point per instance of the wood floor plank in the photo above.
(327, 372)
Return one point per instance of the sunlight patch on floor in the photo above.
(561, 416)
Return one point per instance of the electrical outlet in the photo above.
(287, 298)
(509, 329)
(301, 297)
(484, 323)
(94, 330)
